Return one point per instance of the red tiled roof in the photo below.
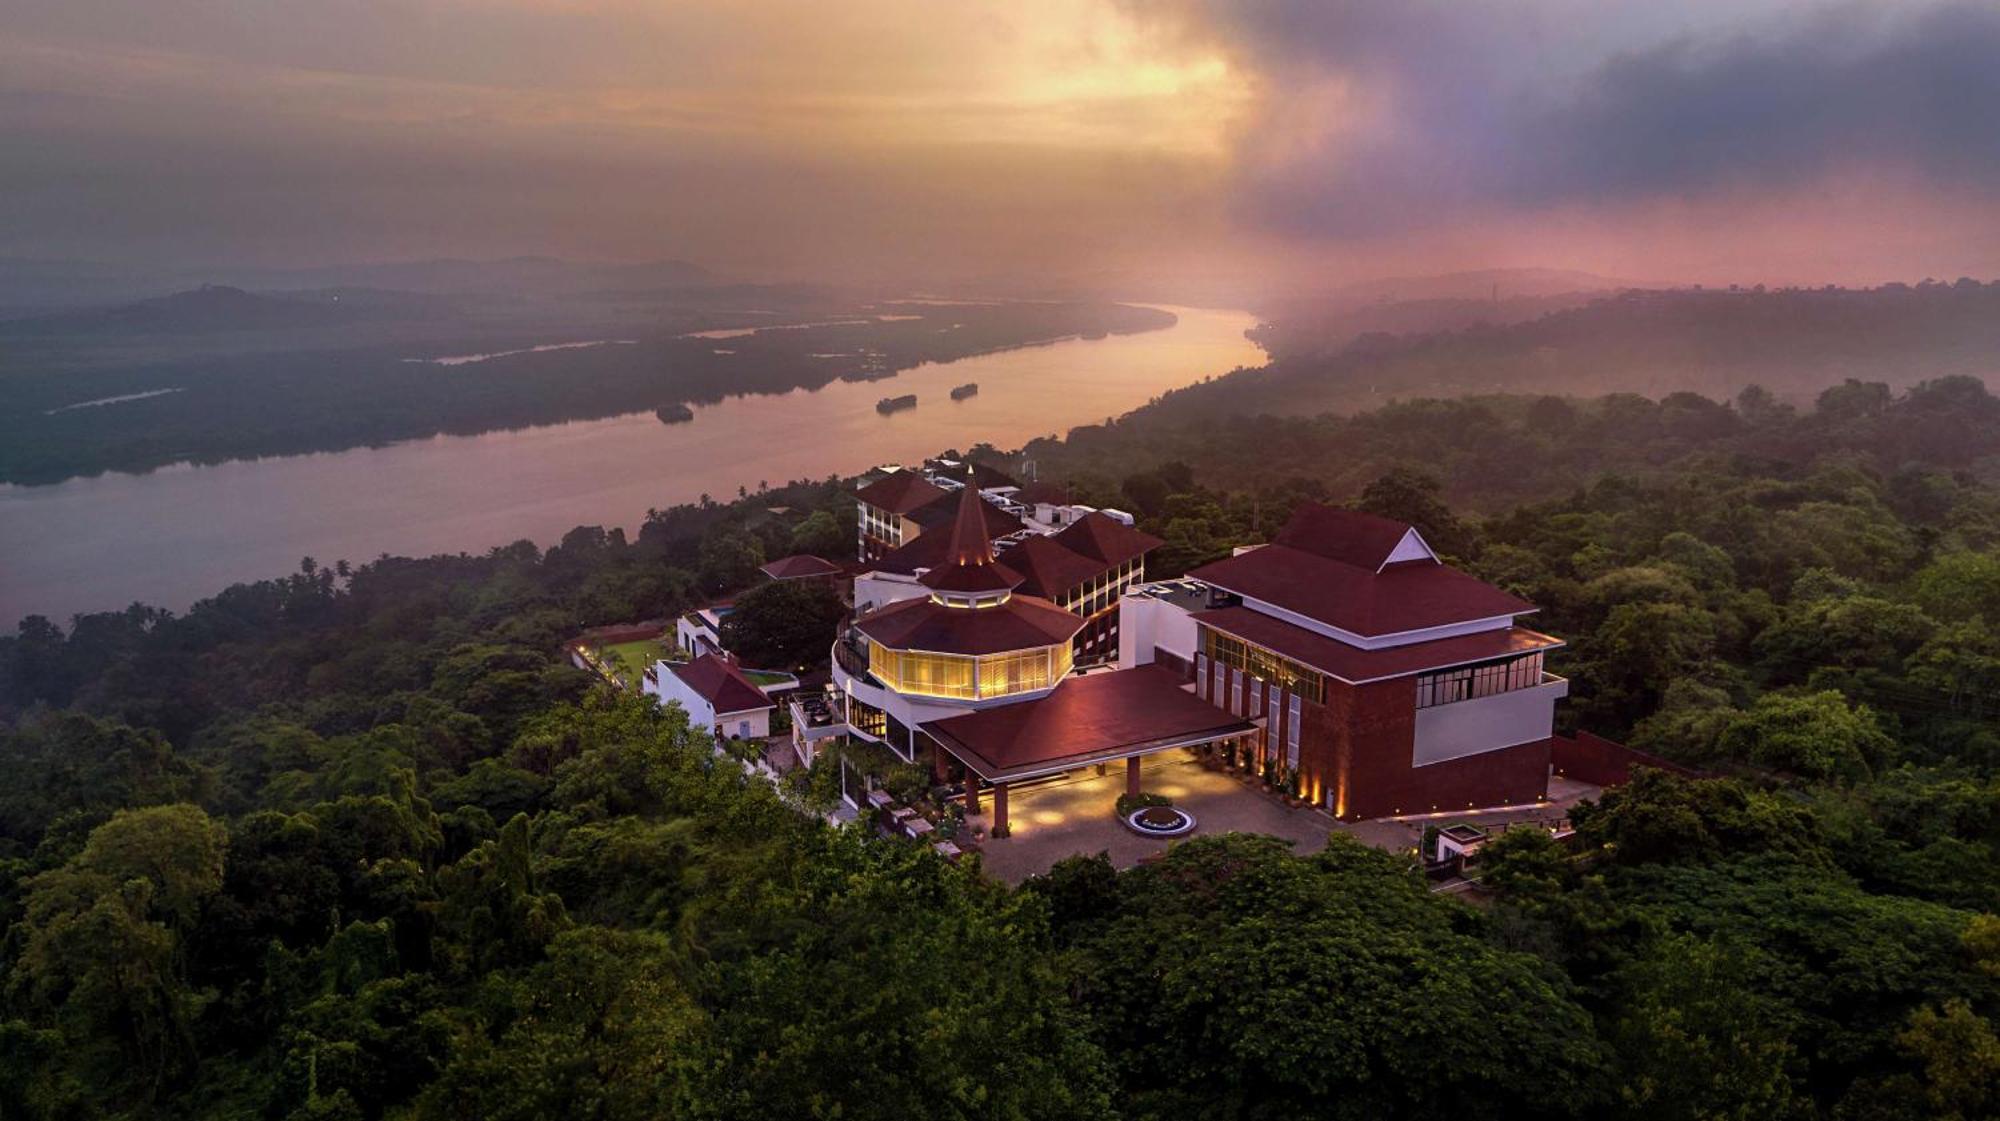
(1046, 568)
(1323, 565)
(799, 565)
(1021, 623)
(716, 680)
(1094, 717)
(1104, 538)
(988, 579)
(927, 550)
(1347, 536)
(932, 546)
(968, 562)
(1402, 597)
(900, 492)
(1354, 665)
(941, 511)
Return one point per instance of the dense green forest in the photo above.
(357, 843)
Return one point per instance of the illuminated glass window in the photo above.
(1025, 671)
(935, 675)
(867, 719)
(1065, 660)
(1464, 683)
(1259, 662)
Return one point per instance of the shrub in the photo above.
(1129, 804)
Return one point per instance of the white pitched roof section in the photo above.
(1410, 548)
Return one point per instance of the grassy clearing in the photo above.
(632, 658)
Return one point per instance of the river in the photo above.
(178, 534)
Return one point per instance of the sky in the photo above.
(957, 143)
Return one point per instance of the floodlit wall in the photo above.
(1452, 731)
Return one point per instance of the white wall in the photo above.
(754, 724)
(1463, 728)
(672, 688)
(700, 714)
(1410, 548)
(1145, 623)
(695, 638)
(879, 589)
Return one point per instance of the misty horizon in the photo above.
(1178, 145)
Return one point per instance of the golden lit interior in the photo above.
(963, 678)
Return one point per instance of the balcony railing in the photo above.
(851, 658)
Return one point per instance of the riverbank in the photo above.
(226, 405)
(173, 535)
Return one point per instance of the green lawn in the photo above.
(632, 658)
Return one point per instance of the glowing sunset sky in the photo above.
(955, 141)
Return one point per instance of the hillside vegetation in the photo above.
(358, 843)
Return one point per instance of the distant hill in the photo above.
(517, 275)
(1322, 322)
(32, 286)
(220, 308)
(1480, 284)
(1316, 327)
(1794, 342)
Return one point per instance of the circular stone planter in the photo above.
(1160, 821)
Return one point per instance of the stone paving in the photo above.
(1073, 815)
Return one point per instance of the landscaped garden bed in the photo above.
(1160, 821)
(1154, 815)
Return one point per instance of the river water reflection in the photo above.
(175, 535)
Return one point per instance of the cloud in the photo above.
(1382, 119)
(1917, 95)
(788, 134)
(883, 138)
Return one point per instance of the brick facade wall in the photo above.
(1356, 754)
(1596, 760)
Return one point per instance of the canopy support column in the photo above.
(1132, 775)
(1000, 810)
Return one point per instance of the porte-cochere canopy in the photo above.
(1095, 718)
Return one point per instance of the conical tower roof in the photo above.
(968, 567)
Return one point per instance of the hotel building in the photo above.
(1343, 662)
(1382, 681)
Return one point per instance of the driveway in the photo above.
(1074, 815)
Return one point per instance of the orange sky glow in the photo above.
(1054, 143)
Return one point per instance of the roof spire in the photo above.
(969, 543)
(968, 565)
